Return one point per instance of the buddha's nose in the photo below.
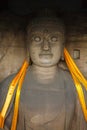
(46, 45)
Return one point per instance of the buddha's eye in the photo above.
(54, 39)
(37, 38)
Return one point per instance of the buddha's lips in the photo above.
(46, 55)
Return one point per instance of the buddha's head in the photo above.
(46, 41)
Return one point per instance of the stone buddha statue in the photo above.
(48, 97)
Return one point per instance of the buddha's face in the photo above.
(46, 45)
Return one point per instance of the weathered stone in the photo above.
(12, 52)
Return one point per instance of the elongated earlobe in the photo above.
(62, 57)
(62, 53)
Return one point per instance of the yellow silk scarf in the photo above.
(17, 83)
(78, 80)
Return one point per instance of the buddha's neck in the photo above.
(44, 74)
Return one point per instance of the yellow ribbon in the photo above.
(17, 80)
(78, 79)
(15, 115)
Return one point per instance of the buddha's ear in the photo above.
(62, 65)
(62, 52)
(62, 56)
(27, 53)
(28, 58)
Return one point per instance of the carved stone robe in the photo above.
(53, 106)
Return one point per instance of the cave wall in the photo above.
(12, 45)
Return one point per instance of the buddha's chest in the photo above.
(44, 109)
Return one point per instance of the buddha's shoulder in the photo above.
(66, 77)
(4, 85)
(65, 73)
(68, 83)
(6, 82)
